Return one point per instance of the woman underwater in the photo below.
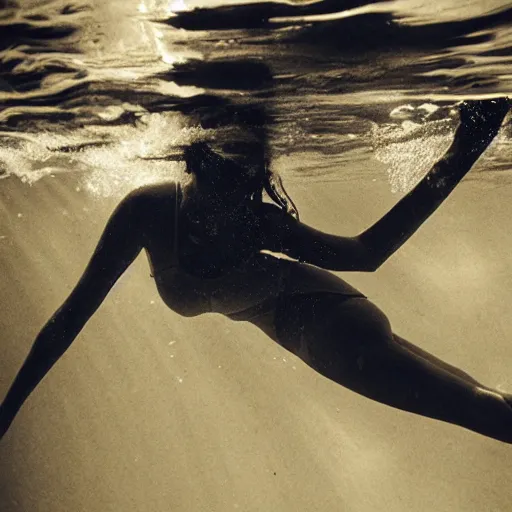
(204, 242)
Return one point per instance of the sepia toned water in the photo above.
(151, 411)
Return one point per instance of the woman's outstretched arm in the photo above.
(119, 245)
(480, 121)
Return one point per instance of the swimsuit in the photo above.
(249, 290)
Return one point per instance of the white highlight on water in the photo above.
(412, 146)
(124, 157)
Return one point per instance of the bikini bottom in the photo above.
(270, 314)
(298, 279)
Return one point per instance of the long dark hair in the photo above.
(262, 178)
(273, 186)
(246, 113)
(229, 120)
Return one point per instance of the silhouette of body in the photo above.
(204, 243)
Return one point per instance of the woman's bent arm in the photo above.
(119, 245)
(480, 122)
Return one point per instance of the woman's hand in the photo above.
(5, 421)
(480, 122)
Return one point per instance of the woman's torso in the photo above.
(224, 271)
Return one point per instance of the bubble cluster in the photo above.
(411, 144)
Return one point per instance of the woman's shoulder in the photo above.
(152, 195)
(271, 211)
(275, 216)
(277, 226)
(154, 191)
(148, 203)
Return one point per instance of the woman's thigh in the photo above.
(332, 333)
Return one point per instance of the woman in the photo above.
(204, 244)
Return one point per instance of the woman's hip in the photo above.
(329, 323)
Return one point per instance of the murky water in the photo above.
(150, 411)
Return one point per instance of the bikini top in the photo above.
(174, 260)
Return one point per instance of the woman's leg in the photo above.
(350, 342)
(419, 352)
